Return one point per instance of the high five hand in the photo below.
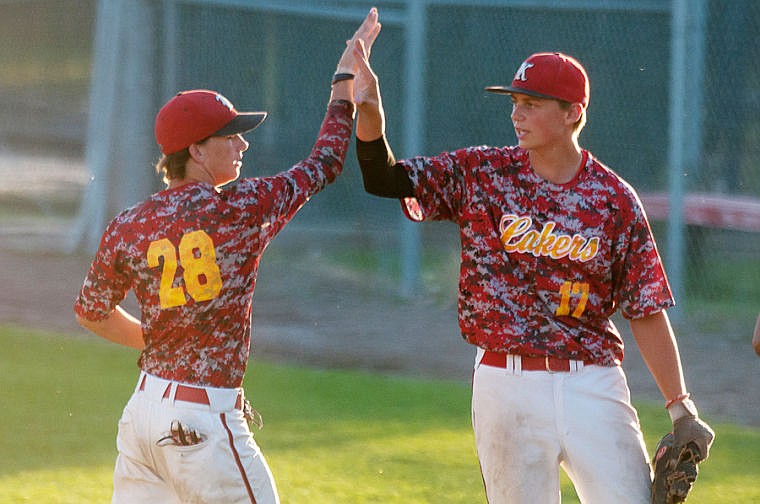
(364, 36)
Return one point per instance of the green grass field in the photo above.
(330, 436)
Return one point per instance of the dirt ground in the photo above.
(308, 311)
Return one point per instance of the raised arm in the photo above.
(756, 337)
(380, 173)
(348, 65)
(370, 123)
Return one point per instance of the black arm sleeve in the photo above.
(382, 175)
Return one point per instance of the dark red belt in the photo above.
(552, 364)
(191, 394)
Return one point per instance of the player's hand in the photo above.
(677, 458)
(370, 122)
(366, 86)
(366, 35)
(690, 429)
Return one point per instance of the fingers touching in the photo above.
(367, 33)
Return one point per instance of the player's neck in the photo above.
(194, 173)
(557, 164)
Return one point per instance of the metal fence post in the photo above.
(414, 127)
(684, 148)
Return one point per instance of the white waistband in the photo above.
(155, 389)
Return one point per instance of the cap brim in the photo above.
(510, 90)
(242, 123)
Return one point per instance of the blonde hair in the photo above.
(172, 166)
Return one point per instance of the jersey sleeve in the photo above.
(444, 185)
(642, 286)
(279, 197)
(439, 185)
(107, 283)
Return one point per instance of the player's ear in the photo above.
(574, 113)
(196, 153)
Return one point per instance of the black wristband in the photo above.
(341, 77)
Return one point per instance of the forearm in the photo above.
(118, 327)
(325, 161)
(756, 336)
(658, 347)
(370, 123)
(342, 90)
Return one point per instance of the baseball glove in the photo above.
(676, 460)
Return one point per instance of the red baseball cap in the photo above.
(194, 115)
(549, 75)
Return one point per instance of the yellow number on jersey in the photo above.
(203, 280)
(566, 291)
(169, 296)
(197, 256)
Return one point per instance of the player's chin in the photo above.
(235, 170)
(523, 139)
(525, 144)
(231, 177)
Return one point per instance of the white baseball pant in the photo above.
(528, 424)
(225, 466)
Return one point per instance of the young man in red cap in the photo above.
(553, 243)
(191, 253)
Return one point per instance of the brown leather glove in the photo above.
(677, 457)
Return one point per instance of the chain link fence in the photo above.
(279, 57)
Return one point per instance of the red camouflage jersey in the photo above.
(543, 266)
(191, 256)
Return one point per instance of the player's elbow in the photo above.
(85, 323)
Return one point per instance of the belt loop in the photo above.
(140, 382)
(516, 364)
(479, 353)
(170, 392)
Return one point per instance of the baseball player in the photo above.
(190, 254)
(553, 242)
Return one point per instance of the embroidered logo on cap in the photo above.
(520, 74)
(224, 101)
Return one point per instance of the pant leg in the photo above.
(514, 424)
(134, 483)
(249, 460)
(135, 480)
(227, 466)
(604, 451)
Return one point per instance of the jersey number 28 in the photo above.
(202, 279)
